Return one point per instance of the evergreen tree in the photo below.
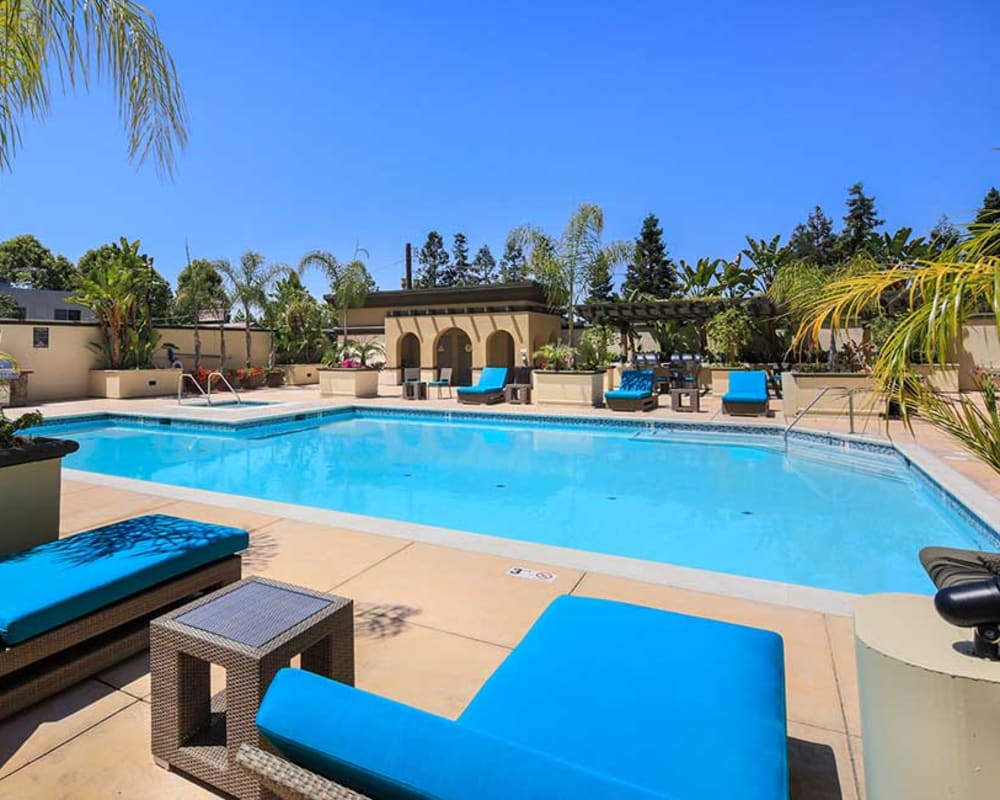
(433, 260)
(484, 266)
(860, 223)
(600, 285)
(460, 271)
(814, 241)
(990, 211)
(943, 236)
(651, 271)
(512, 264)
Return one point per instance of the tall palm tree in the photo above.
(76, 41)
(248, 286)
(350, 283)
(564, 267)
(937, 295)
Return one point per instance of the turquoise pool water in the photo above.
(745, 509)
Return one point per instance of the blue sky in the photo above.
(325, 124)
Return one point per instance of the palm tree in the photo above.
(565, 267)
(937, 295)
(248, 286)
(350, 283)
(75, 41)
(701, 279)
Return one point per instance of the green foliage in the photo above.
(350, 287)
(459, 272)
(860, 224)
(651, 271)
(153, 287)
(767, 257)
(484, 266)
(248, 286)
(729, 332)
(513, 265)
(25, 261)
(814, 240)
(943, 237)
(673, 337)
(70, 42)
(298, 329)
(600, 284)
(701, 279)
(433, 260)
(989, 213)
(117, 289)
(199, 290)
(975, 424)
(597, 347)
(10, 428)
(364, 352)
(8, 308)
(555, 357)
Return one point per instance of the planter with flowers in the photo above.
(347, 372)
(250, 377)
(558, 381)
(30, 477)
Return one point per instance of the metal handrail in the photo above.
(228, 384)
(801, 414)
(180, 386)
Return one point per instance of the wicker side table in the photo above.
(252, 628)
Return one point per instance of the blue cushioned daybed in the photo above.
(635, 392)
(747, 393)
(72, 607)
(599, 700)
(488, 390)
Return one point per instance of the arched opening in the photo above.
(500, 350)
(408, 350)
(454, 349)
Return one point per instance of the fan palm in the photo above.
(937, 296)
(76, 41)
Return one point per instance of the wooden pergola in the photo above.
(683, 310)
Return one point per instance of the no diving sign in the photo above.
(532, 574)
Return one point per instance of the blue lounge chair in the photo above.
(747, 393)
(599, 700)
(635, 392)
(73, 607)
(488, 390)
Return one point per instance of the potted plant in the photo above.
(347, 371)
(559, 381)
(30, 477)
(275, 377)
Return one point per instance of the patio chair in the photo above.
(411, 374)
(747, 393)
(600, 699)
(488, 390)
(73, 607)
(444, 380)
(635, 392)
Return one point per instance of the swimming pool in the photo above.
(740, 506)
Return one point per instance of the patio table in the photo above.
(252, 628)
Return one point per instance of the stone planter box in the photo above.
(121, 384)
(569, 388)
(30, 484)
(941, 378)
(300, 374)
(14, 392)
(798, 389)
(338, 382)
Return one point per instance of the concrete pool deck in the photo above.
(433, 622)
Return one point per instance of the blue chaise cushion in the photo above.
(673, 703)
(746, 386)
(394, 752)
(491, 381)
(57, 582)
(636, 385)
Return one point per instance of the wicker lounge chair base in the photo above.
(481, 399)
(746, 409)
(37, 668)
(640, 404)
(289, 781)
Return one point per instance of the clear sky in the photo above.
(321, 124)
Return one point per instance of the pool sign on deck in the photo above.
(532, 574)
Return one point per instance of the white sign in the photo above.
(532, 574)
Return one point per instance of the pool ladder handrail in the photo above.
(207, 395)
(823, 390)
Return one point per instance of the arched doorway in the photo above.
(408, 349)
(454, 349)
(500, 350)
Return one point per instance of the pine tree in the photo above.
(433, 260)
(990, 211)
(652, 271)
(814, 241)
(484, 266)
(943, 235)
(512, 263)
(459, 273)
(600, 285)
(860, 223)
